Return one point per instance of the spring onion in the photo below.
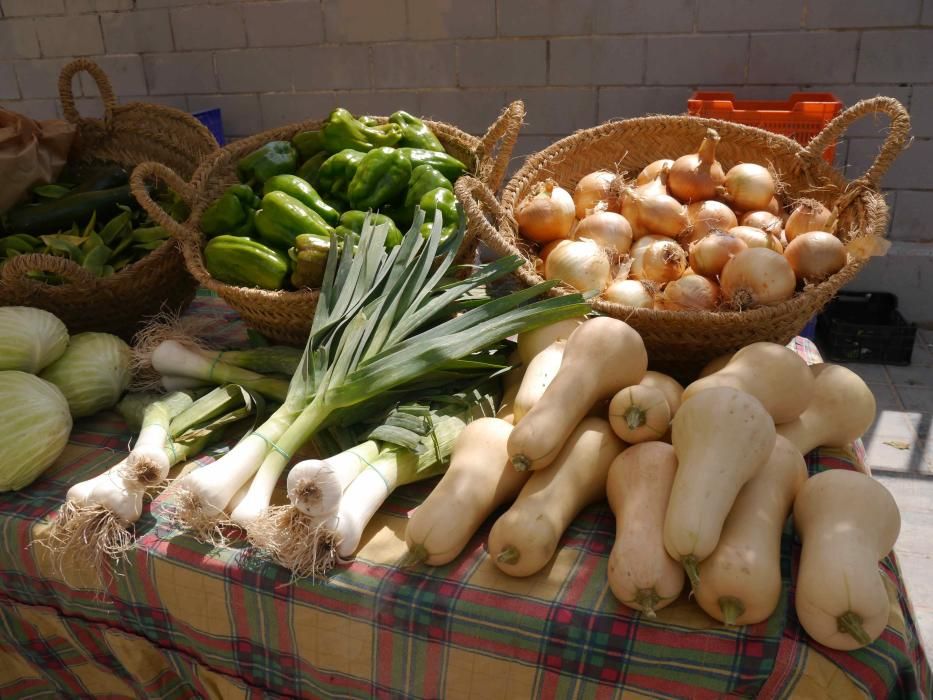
(93, 372)
(30, 339)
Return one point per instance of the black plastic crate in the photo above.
(865, 327)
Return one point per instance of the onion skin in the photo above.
(711, 253)
(658, 214)
(594, 188)
(629, 293)
(706, 216)
(756, 238)
(547, 214)
(765, 220)
(581, 264)
(774, 207)
(642, 244)
(689, 293)
(756, 277)
(698, 175)
(748, 187)
(815, 256)
(660, 263)
(808, 215)
(652, 170)
(610, 230)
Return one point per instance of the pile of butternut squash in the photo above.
(701, 480)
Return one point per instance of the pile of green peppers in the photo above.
(274, 229)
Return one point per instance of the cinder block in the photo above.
(18, 39)
(364, 20)
(31, 8)
(913, 215)
(913, 168)
(330, 67)
(75, 7)
(628, 102)
(287, 108)
(811, 57)
(180, 73)
(737, 15)
(867, 126)
(125, 72)
(527, 144)
(8, 87)
(378, 102)
(638, 16)
(696, 60)
(597, 61)
(556, 111)
(142, 31)
(283, 23)
(838, 14)
(471, 110)
(926, 17)
(451, 19)
(35, 109)
(546, 17)
(146, 4)
(896, 57)
(502, 62)
(921, 110)
(419, 64)
(39, 78)
(241, 113)
(70, 36)
(254, 70)
(202, 27)
(175, 101)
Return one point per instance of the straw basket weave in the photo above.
(682, 342)
(285, 316)
(128, 134)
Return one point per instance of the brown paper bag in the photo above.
(31, 153)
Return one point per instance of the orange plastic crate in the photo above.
(801, 117)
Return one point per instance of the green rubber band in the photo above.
(210, 374)
(171, 446)
(272, 445)
(370, 466)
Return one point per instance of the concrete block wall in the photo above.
(576, 64)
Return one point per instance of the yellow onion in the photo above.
(711, 253)
(706, 216)
(652, 170)
(610, 230)
(592, 189)
(581, 264)
(628, 200)
(658, 214)
(748, 187)
(774, 206)
(659, 263)
(547, 214)
(641, 245)
(815, 255)
(689, 293)
(629, 293)
(756, 238)
(756, 277)
(808, 215)
(765, 220)
(698, 175)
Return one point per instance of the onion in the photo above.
(610, 230)
(659, 214)
(815, 256)
(591, 189)
(582, 264)
(756, 238)
(808, 215)
(748, 187)
(652, 170)
(628, 200)
(629, 293)
(757, 276)
(706, 216)
(765, 220)
(547, 214)
(642, 244)
(711, 253)
(698, 175)
(689, 293)
(660, 262)
(774, 207)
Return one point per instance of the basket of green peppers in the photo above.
(266, 210)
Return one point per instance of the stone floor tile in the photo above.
(910, 375)
(915, 399)
(870, 373)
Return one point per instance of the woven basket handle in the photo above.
(896, 141)
(14, 272)
(153, 171)
(495, 148)
(478, 200)
(103, 86)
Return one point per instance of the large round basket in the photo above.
(682, 342)
(128, 134)
(285, 316)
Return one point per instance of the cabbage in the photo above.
(30, 339)
(36, 423)
(93, 373)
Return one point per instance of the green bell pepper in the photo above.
(415, 134)
(231, 213)
(283, 217)
(246, 195)
(245, 262)
(309, 258)
(337, 171)
(310, 168)
(308, 143)
(367, 120)
(381, 176)
(424, 178)
(342, 131)
(446, 163)
(353, 221)
(274, 158)
(445, 202)
(304, 193)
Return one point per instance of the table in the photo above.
(182, 619)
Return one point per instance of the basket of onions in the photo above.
(702, 234)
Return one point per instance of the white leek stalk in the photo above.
(316, 486)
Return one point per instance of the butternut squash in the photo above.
(478, 480)
(772, 373)
(511, 383)
(639, 413)
(716, 364)
(672, 389)
(742, 577)
(842, 409)
(601, 357)
(525, 537)
(540, 373)
(642, 574)
(847, 522)
(530, 343)
(722, 437)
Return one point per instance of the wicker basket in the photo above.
(285, 316)
(682, 342)
(128, 134)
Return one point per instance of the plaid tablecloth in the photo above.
(185, 620)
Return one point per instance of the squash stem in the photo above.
(690, 564)
(417, 554)
(635, 417)
(521, 463)
(851, 623)
(732, 609)
(509, 555)
(647, 599)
